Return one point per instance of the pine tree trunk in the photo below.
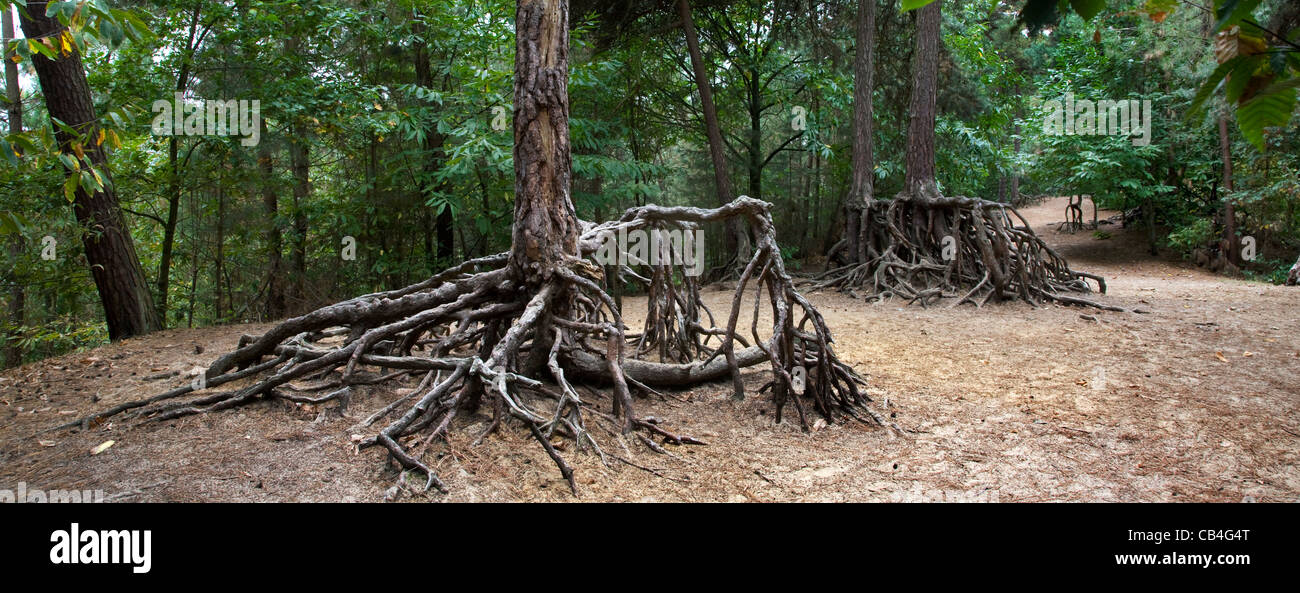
(546, 227)
(300, 164)
(17, 291)
(862, 187)
(737, 238)
(275, 307)
(1015, 173)
(920, 178)
(174, 180)
(1228, 245)
(432, 149)
(110, 251)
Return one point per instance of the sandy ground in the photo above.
(1196, 401)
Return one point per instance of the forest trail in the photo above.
(1196, 401)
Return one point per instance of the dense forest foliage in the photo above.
(379, 149)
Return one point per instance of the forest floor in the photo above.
(1199, 400)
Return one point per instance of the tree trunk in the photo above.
(174, 180)
(17, 291)
(275, 307)
(433, 154)
(1228, 244)
(755, 108)
(1015, 172)
(862, 187)
(299, 162)
(219, 305)
(546, 227)
(920, 178)
(737, 238)
(123, 289)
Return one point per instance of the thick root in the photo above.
(923, 248)
(477, 334)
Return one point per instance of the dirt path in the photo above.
(1196, 401)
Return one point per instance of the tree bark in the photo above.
(861, 189)
(546, 227)
(737, 238)
(275, 307)
(17, 291)
(920, 179)
(1229, 241)
(299, 162)
(1015, 172)
(174, 179)
(123, 289)
(444, 225)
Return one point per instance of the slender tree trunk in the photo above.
(1229, 241)
(920, 179)
(861, 190)
(194, 264)
(1015, 173)
(17, 292)
(546, 227)
(755, 108)
(219, 254)
(174, 180)
(300, 169)
(275, 307)
(737, 238)
(123, 289)
(299, 157)
(433, 154)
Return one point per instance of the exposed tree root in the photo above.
(480, 334)
(923, 248)
(1073, 215)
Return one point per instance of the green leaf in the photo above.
(8, 151)
(88, 182)
(1240, 77)
(69, 161)
(1230, 12)
(1211, 84)
(914, 4)
(70, 188)
(12, 223)
(1263, 111)
(1088, 8)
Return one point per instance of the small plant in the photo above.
(1198, 234)
(1272, 271)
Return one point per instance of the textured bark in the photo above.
(433, 154)
(861, 189)
(110, 251)
(300, 164)
(920, 178)
(1015, 174)
(737, 239)
(275, 307)
(174, 179)
(1228, 244)
(546, 228)
(17, 291)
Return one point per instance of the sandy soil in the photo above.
(1196, 401)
